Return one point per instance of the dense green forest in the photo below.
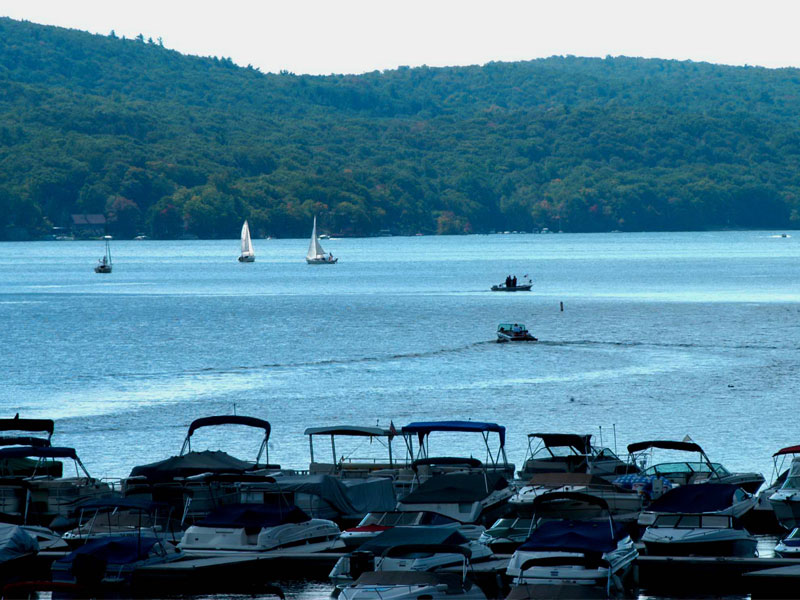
(169, 145)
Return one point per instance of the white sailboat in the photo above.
(104, 264)
(248, 254)
(316, 255)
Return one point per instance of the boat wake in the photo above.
(633, 344)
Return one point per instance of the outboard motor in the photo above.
(361, 561)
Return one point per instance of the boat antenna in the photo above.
(615, 437)
(234, 409)
(601, 436)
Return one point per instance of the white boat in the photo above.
(762, 519)
(316, 255)
(255, 528)
(408, 584)
(698, 534)
(438, 547)
(375, 523)
(569, 453)
(786, 500)
(568, 558)
(248, 254)
(789, 547)
(104, 264)
(514, 332)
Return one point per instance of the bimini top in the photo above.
(115, 550)
(575, 536)
(664, 445)
(38, 452)
(45, 425)
(788, 450)
(456, 487)
(699, 498)
(229, 420)
(424, 428)
(24, 440)
(349, 430)
(401, 536)
(582, 443)
(253, 516)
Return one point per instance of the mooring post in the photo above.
(562, 306)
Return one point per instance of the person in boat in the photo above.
(508, 280)
(330, 257)
(516, 328)
(514, 281)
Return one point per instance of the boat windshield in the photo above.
(686, 468)
(395, 518)
(693, 521)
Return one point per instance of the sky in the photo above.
(357, 36)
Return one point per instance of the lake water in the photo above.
(662, 335)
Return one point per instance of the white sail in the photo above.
(247, 244)
(314, 248)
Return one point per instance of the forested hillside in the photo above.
(168, 145)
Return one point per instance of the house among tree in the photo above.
(88, 225)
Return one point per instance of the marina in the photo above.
(368, 405)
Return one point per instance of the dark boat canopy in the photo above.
(575, 536)
(193, 463)
(400, 536)
(456, 487)
(699, 498)
(404, 549)
(24, 440)
(115, 550)
(229, 420)
(664, 445)
(45, 425)
(253, 516)
(446, 460)
(788, 450)
(553, 496)
(38, 452)
(424, 428)
(118, 502)
(582, 443)
(349, 430)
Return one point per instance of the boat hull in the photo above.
(102, 269)
(516, 288)
(247, 259)
(321, 261)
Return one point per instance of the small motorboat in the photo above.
(569, 559)
(237, 528)
(514, 332)
(785, 500)
(112, 560)
(789, 547)
(512, 288)
(407, 584)
(708, 498)
(570, 453)
(374, 523)
(698, 534)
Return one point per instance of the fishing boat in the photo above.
(514, 332)
(316, 255)
(510, 285)
(104, 264)
(248, 254)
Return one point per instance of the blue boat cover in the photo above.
(456, 487)
(253, 516)
(401, 536)
(575, 536)
(424, 428)
(699, 498)
(118, 502)
(115, 550)
(37, 452)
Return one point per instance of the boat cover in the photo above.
(37, 452)
(424, 428)
(46, 425)
(355, 430)
(456, 487)
(348, 496)
(114, 550)
(24, 440)
(788, 450)
(118, 502)
(582, 443)
(664, 445)
(401, 536)
(191, 463)
(699, 498)
(575, 536)
(15, 541)
(253, 516)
